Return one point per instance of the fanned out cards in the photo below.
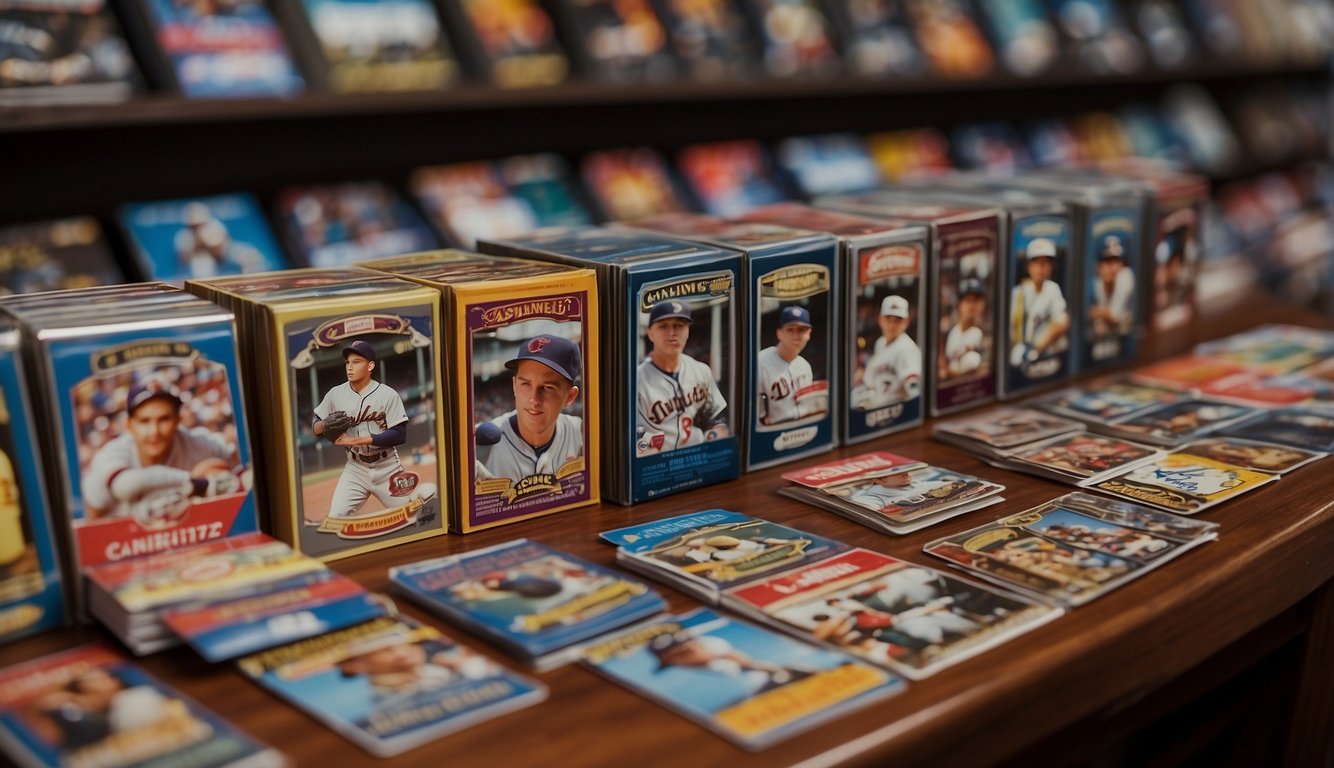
(89, 706)
(890, 493)
(910, 618)
(390, 684)
(1073, 549)
(540, 604)
(749, 685)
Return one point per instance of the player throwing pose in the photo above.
(965, 343)
(679, 403)
(367, 418)
(893, 373)
(783, 372)
(1038, 316)
(535, 437)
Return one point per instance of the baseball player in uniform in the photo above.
(379, 425)
(893, 374)
(535, 437)
(1038, 316)
(1113, 307)
(965, 343)
(679, 403)
(152, 470)
(782, 371)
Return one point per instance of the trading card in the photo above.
(630, 183)
(1098, 36)
(1182, 483)
(515, 41)
(950, 38)
(911, 153)
(359, 47)
(730, 177)
(1252, 454)
(830, 164)
(1103, 400)
(46, 35)
(1026, 42)
(711, 37)
(1070, 527)
(1083, 455)
(903, 497)
(176, 240)
(1299, 427)
(1175, 423)
(619, 42)
(1317, 381)
(795, 38)
(1168, 38)
(1006, 427)
(991, 146)
(1272, 349)
(878, 38)
(56, 255)
(339, 224)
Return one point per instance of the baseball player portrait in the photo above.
(893, 372)
(678, 402)
(1039, 320)
(163, 461)
(536, 437)
(1113, 291)
(783, 375)
(366, 418)
(966, 342)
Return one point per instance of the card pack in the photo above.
(730, 177)
(618, 42)
(137, 397)
(524, 409)
(881, 294)
(174, 240)
(671, 384)
(966, 256)
(540, 604)
(795, 38)
(62, 254)
(630, 183)
(747, 684)
(45, 33)
(951, 38)
(1074, 548)
(334, 225)
(31, 586)
(91, 706)
(510, 45)
(878, 39)
(827, 164)
(390, 685)
(711, 38)
(1025, 39)
(325, 342)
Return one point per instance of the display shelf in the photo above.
(1268, 576)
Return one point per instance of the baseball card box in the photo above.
(523, 410)
(345, 365)
(390, 685)
(668, 416)
(90, 706)
(752, 686)
(791, 397)
(31, 587)
(540, 604)
(175, 240)
(62, 254)
(965, 266)
(883, 323)
(142, 423)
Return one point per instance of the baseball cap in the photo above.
(150, 389)
(972, 285)
(670, 308)
(662, 644)
(361, 347)
(555, 352)
(794, 314)
(1112, 248)
(1041, 247)
(894, 306)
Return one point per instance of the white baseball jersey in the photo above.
(1120, 302)
(877, 497)
(681, 406)
(963, 349)
(1034, 310)
(369, 467)
(115, 478)
(894, 371)
(778, 385)
(515, 459)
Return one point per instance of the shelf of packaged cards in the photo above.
(161, 108)
(1271, 561)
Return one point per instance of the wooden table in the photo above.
(1267, 578)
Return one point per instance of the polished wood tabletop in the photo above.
(1275, 552)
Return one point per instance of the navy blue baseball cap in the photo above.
(555, 352)
(972, 286)
(794, 314)
(669, 308)
(362, 348)
(150, 389)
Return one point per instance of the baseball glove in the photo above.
(336, 423)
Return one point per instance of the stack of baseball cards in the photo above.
(790, 383)
(966, 258)
(1077, 457)
(137, 394)
(669, 407)
(539, 604)
(1172, 424)
(910, 618)
(704, 553)
(31, 587)
(522, 412)
(1074, 548)
(992, 432)
(890, 493)
(749, 685)
(390, 685)
(90, 706)
(1104, 399)
(225, 598)
(881, 278)
(344, 369)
